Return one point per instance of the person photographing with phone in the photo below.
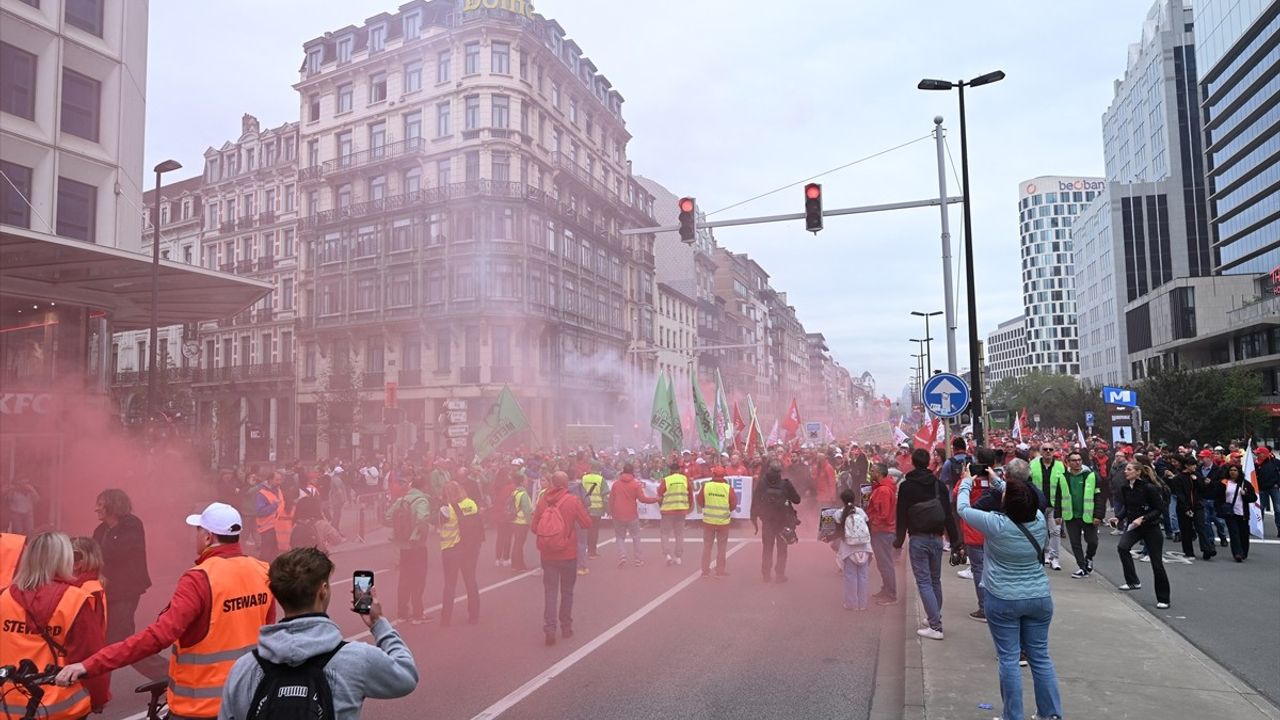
(306, 649)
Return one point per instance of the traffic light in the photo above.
(813, 207)
(687, 206)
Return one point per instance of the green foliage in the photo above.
(338, 403)
(1210, 405)
(1060, 400)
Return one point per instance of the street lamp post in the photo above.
(975, 377)
(152, 376)
(928, 338)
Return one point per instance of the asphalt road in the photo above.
(651, 642)
(1229, 610)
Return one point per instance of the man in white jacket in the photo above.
(299, 579)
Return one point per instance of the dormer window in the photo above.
(377, 38)
(315, 57)
(412, 25)
(344, 49)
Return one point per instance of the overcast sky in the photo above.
(728, 99)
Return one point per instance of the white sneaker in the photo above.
(966, 573)
(1055, 564)
(497, 563)
(929, 633)
(1145, 558)
(679, 561)
(1126, 587)
(1162, 606)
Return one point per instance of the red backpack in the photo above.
(553, 534)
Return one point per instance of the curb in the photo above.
(899, 681)
(914, 701)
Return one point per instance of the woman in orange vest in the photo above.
(10, 550)
(45, 618)
(87, 570)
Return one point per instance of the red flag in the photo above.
(1026, 426)
(753, 438)
(927, 436)
(791, 423)
(738, 427)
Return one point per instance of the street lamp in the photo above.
(928, 337)
(152, 376)
(975, 362)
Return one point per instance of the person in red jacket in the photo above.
(824, 478)
(559, 560)
(882, 512)
(973, 540)
(624, 493)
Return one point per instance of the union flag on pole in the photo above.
(738, 427)
(927, 436)
(791, 423)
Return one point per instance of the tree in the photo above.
(1060, 400)
(338, 402)
(1209, 405)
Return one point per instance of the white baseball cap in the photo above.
(218, 518)
(518, 461)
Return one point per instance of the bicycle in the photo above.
(32, 681)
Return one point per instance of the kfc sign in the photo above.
(20, 404)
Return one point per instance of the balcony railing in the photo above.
(471, 374)
(453, 191)
(410, 377)
(501, 374)
(266, 218)
(351, 161)
(1267, 308)
(265, 263)
(372, 380)
(236, 373)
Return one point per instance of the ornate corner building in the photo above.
(463, 185)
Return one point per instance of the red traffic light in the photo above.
(686, 205)
(813, 191)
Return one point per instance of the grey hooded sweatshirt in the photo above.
(358, 671)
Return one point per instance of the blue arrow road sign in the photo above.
(945, 395)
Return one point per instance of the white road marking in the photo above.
(573, 658)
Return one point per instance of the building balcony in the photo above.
(265, 314)
(410, 377)
(266, 218)
(470, 374)
(264, 264)
(373, 380)
(408, 148)
(439, 194)
(1265, 310)
(261, 372)
(127, 378)
(501, 374)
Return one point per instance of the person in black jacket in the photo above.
(124, 560)
(1144, 508)
(924, 510)
(772, 498)
(1268, 469)
(1182, 483)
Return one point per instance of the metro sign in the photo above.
(1120, 396)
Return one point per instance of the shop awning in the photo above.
(46, 267)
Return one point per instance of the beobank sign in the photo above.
(1079, 185)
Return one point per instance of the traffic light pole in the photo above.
(760, 220)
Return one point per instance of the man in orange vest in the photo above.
(268, 503)
(212, 619)
(10, 550)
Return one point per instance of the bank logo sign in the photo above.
(1119, 396)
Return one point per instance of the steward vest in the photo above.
(1068, 500)
(715, 506)
(241, 601)
(10, 550)
(20, 640)
(522, 517)
(676, 498)
(1056, 479)
(284, 525)
(593, 483)
(450, 534)
(266, 523)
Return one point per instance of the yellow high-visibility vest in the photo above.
(715, 507)
(677, 496)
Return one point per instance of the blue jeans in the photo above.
(1212, 521)
(882, 547)
(1023, 626)
(558, 579)
(620, 531)
(856, 579)
(1270, 500)
(926, 565)
(1171, 526)
(582, 547)
(977, 554)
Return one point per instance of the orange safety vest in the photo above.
(284, 525)
(241, 601)
(97, 598)
(268, 522)
(11, 545)
(20, 640)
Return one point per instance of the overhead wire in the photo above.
(825, 172)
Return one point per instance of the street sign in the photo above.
(1120, 396)
(458, 442)
(814, 431)
(458, 431)
(458, 417)
(1121, 433)
(945, 395)
(1036, 419)
(1146, 426)
(1088, 418)
(455, 405)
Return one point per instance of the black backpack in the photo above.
(293, 693)
(304, 535)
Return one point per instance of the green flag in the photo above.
(702, 417)
(505, 419)
(662, 419)
(677, 436)
(723, 417)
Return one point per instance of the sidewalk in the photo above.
(1113, 660)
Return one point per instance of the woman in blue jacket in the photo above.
(1019, 607)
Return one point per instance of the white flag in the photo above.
(1255, 508)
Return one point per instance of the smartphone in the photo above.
(362, 591)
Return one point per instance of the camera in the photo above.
(978, 470)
